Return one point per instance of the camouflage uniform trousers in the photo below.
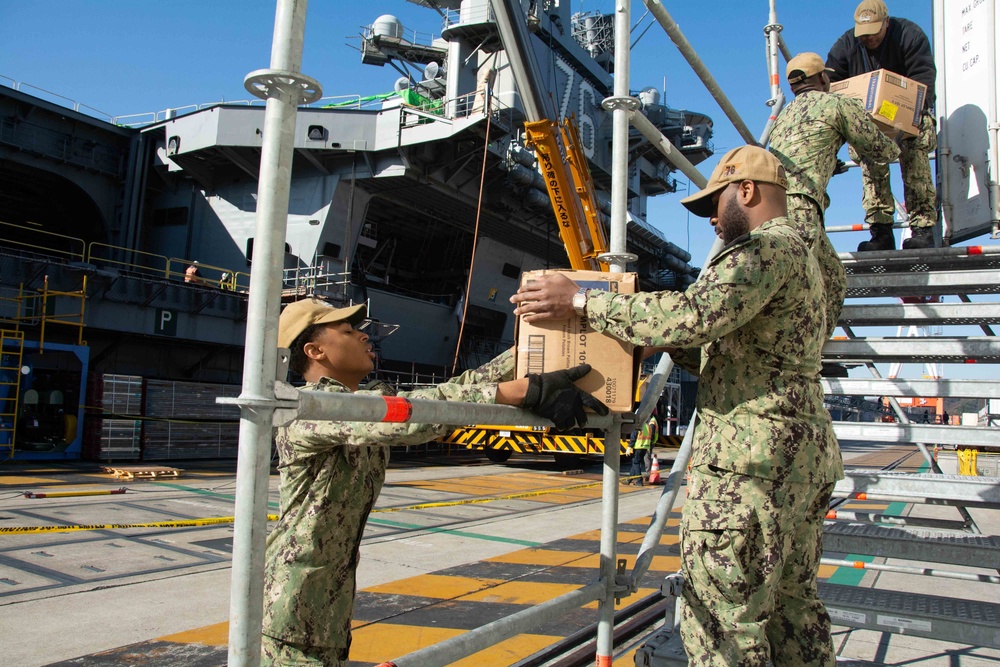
(806, 218)
(918, 181)
(278, 653)
(751, 548)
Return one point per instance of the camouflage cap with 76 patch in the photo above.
(746, 163)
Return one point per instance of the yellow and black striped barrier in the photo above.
(537, 442)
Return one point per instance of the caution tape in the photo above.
(191, 523)
(194, 523)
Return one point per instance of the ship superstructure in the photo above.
(389, 195)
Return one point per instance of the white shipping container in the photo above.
(966, 55)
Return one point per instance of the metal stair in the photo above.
(921, 279)
(899, 548)
(905, 545)
(912, 544)
(932, 616)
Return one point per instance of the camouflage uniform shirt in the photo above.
(331, 475)
(809, 132)
(756, 312)
(806, 138)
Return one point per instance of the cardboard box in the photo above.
(895, 102)
(555, 345)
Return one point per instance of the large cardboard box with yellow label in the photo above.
(555, 345)
(894, 101)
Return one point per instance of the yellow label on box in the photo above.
(888, 110)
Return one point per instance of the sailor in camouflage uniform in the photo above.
(805, 138)
(880, 41)
(332, 472)
(765, 458)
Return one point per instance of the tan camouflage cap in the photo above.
(299, 316)
(746, 163)
(805, 65)
(869, 16)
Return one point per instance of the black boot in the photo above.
(882, 239)
(832, 370)
(923, 237)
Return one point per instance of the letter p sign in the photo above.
(166, 322)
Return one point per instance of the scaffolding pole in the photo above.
(284, 88)
(673, 31)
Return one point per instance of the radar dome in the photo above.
(388, 25)
(649, 96)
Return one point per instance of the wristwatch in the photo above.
(580, 301)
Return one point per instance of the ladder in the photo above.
(11, 351)
(937, 534)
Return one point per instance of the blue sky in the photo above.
(139, 56)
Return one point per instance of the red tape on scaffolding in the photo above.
(397, 409)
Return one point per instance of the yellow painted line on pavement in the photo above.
(14, 480)
(643, 592)
(508, 652)
(384, 641)
(522, 592)
(210, 635)
(435, 586)
(578, 559)
(471, 485)
(489, 499)
(381, 642)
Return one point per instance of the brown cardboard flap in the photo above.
(556, 345)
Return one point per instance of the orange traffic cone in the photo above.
(654, 471)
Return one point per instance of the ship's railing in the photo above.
(481, 14)
(153, 264)
(102, 254)
(56, 98)
(46, 243)
(315, 279)
(404, 380)
(463, 106)
(409, 36)
(208, 274)
(52, 246)
(136, 120)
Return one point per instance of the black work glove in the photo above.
(840, 168)
(554, 396)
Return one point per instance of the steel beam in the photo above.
(972, 436)
(940, 618)
(957, 488)
(904, 387)
(923, 314)
(956, 350)
(923, 284)
(912, 544)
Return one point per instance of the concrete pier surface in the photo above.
(439, 566)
